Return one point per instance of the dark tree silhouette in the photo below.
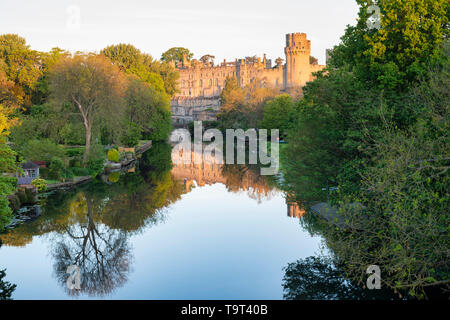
(6, 288)
(315, 278)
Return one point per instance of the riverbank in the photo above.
(25, 200)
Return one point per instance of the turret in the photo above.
(297, 50)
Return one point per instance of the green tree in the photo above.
(8, 164)
(90, 86)
(176, 54)
(147, 111)
(160, 75)
(279, 113)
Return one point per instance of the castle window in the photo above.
(201, 83)
(210, 82)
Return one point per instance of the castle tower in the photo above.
(298, 51)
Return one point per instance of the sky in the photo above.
(227, 29)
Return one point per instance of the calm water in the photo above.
(161, 232)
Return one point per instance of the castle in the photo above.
(201, 82)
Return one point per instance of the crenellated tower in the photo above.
(297, 50)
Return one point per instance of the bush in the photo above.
(56, 168)
(113, 155)
(95, 166)
(75, 163)
(79, 172)
(131, 135)
(75, 152)
(39, 184)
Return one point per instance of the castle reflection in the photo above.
(237, 178)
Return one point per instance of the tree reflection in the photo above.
(6, 288)
(316, 278)
(102, 254)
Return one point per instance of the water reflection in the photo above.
(237, 178)
(227, 254)
(102, 254)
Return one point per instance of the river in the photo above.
(162, 232)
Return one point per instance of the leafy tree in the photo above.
(375, 125)
(90, 86)
(41, 90)
(207, 59)
(279, 113)
(8, 164)
(243, 107)
(147, 110)
(160, 75)
(21, 65)
(176, 54)
(42, 150)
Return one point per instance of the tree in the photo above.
(90, 86)
(207, 59)
(176, 54)
(8, 164)
(242, 107)
(147, 112)
(22, 65)
(251, 59)
(279, 113)
(160, 75)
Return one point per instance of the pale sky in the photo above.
(226, 29)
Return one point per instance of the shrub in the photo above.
(95, 166)
(39, 184)
(113, 155)
(80, 171)
(56, 168)
(74, 152)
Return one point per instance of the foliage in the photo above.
(113, 155)
(242, 107)
(57, 168)
(148, 112)
(316, 278)
(80, 172)
(21, 66)
(8, 164)
(279, 113)
(6, 288)
(375, 125)
(92, 86)
(39, 184)
(176, 54)
(42, 150)
(161, 76)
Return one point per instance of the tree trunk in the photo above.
(88, 144)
